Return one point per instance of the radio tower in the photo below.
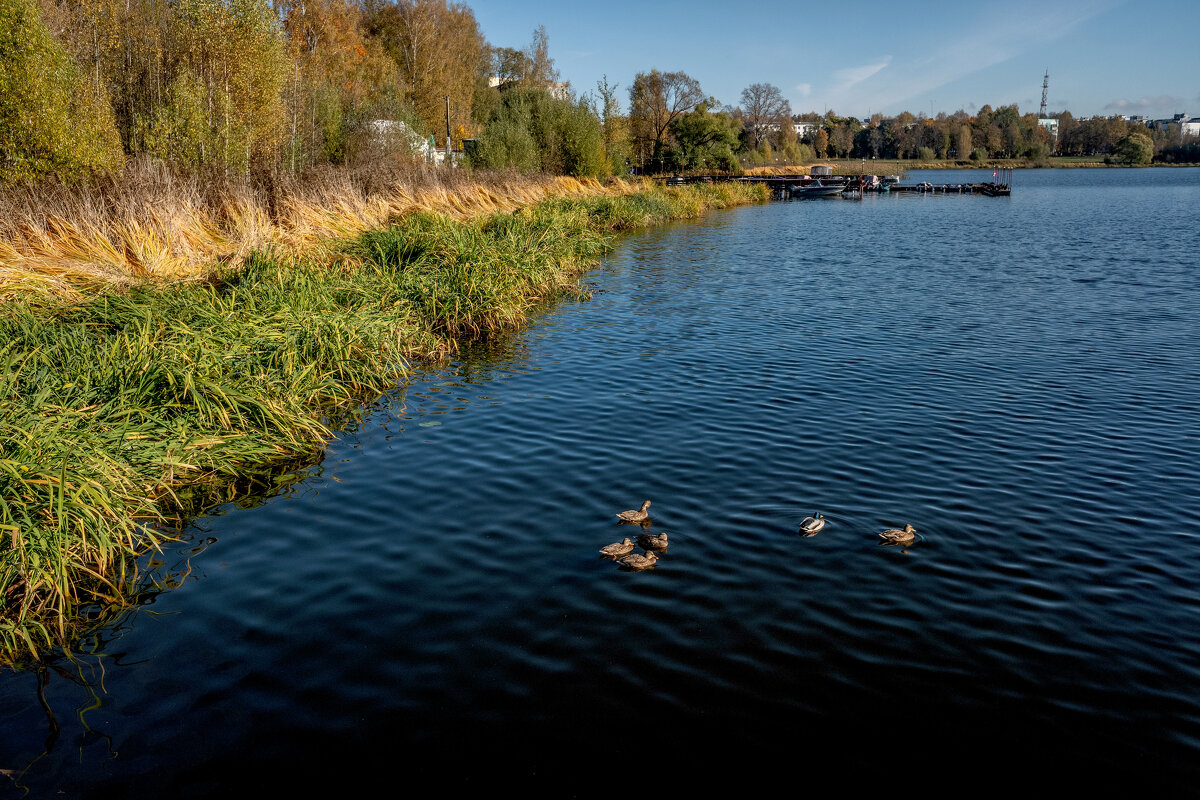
(1045, 88)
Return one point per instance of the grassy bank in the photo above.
(122, 412)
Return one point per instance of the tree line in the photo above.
(244, 85)
(991, 133)
(241, 84)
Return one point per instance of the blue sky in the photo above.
(858, 58)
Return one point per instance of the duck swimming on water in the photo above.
(898, 535)
(638, 562)
(652, 541)
(618, 548)
(635, 516)
(811, 525)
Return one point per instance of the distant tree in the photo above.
(527, 68)
(875, 139)
(223, 104)
(439, 51)
(962, 145)
(657, 99)
(542, 73)
(705, 140)
(615, 126)
(765, 110)
(1134, 149)
(1066, 125)
(841, 138)
(338, 79)
(994, 140)
(821, 143)
(52, 118)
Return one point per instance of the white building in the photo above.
(559, 90)
(394, 134)
(1188, 126)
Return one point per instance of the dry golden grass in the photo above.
(153, 222)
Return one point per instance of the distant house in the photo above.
(1050, 124)
(393, 134)
(559, 90)
(1187, 125)
(803, 128)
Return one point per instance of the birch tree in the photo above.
(438, 49)
(53, 119)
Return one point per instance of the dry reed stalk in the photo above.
(155, 223)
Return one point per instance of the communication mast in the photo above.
(1045, 89)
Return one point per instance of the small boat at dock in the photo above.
(816, 189)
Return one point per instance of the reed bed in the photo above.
(123, 413)
(156, 222)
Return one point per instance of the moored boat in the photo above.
(816, 189)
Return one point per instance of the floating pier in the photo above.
(801, 186)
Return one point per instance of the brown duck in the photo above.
(899, 535)
(652, 541)
(637, 561)
(635, 516)
(618, 548)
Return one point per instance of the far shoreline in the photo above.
(855, 166)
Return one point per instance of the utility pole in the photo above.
(448, 162)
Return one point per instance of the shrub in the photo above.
(532, 131)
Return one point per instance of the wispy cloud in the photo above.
(1144, 105)
(971, 47)
(850, 77)
(803, 89)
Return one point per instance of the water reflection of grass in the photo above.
(123, 414)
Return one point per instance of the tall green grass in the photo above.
(120, 414)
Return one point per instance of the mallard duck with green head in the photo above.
(812, 525)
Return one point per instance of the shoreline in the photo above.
(132, 411)
(887, 167)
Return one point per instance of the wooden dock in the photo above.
(786, 187)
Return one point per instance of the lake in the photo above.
(1018, 378)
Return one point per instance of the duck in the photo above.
(638, 561)
(652, 541)
(899, 536)
(635, 516)
(811, 525)
(618, 548)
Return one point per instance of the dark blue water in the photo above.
(1018, 378)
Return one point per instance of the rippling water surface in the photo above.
(1017, 377)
